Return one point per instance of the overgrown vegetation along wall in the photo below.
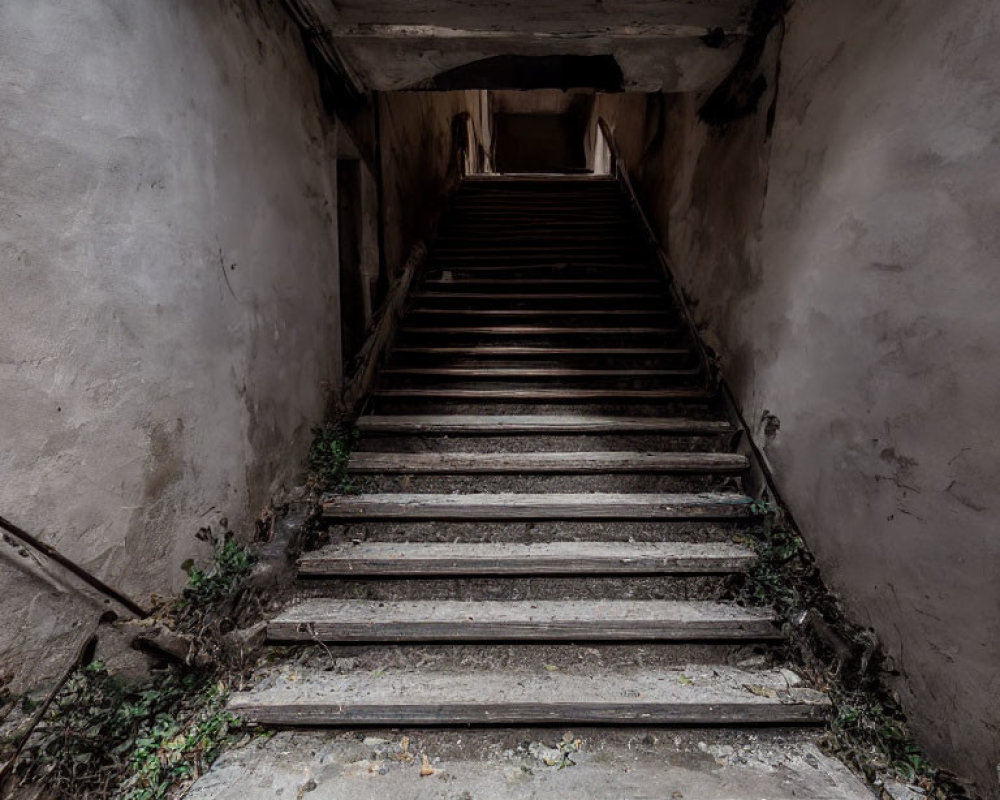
(417, 157)
(845, 269)
(167, 290)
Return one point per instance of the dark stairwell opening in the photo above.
(539, 143)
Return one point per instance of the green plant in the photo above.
(104, 738)
(174, 752)
(221, 579)
(869, 729)
(873, 735)
(328, 456)
(768, 582)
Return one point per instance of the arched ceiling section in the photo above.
(659, 45)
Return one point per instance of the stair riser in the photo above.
(651, 631)
(491, 585)
(452, 443)
(413, 405)
(526, 483)
(529, 531)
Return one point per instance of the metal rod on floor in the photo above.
(91, 580)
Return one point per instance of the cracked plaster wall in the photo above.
(168, 290)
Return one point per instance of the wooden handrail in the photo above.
(621, 172)
(386, 319)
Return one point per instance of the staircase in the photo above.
(550, 517)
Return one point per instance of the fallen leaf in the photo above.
(761, 691)
(426, 768)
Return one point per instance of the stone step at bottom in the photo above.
(697, 695)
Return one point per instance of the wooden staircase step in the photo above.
(529, 351)
(506, 373)
(435, 559)
(515, 424)
(532, 296)
(521, 463)
(519, 394)
(545, 330)
(520, 506)
(519, 283)
(615, 269)
(537, 312)
(328, 620)
(697, 695)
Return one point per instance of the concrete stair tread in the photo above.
(538, 506)
(568, 462)
(504, 558)
(324, 619)
(712, 695)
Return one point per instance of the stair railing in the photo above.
(385, 321)
(760, 482)
(619, 170)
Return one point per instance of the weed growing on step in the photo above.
(777, 547)
(230, 566)
(872, 735)
(869, 729)
(104, 738)
(328, 457)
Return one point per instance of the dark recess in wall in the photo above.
(600, 72)
(739, 95)
(352, 308)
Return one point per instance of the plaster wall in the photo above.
(418, 161)
(845, 269)
(168, 291)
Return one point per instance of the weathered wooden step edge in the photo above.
(517, 394)
(694, 696)
(518, 284)
(328, 620)
(563, 463)
(427, 559)
(501, 506)
(499, 425)
(544, 313)
(500, 373)
(543, 330)
(515, 350)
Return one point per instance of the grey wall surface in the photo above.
(845, 269)
(870, 329)
(168, 279)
